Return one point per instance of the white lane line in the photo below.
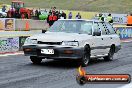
(3, 55)
(129, 40)
(126, 86)
(11, 54)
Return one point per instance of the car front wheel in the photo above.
(86, 57)
(35, 60)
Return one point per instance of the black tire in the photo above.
(110, 54)
(35, 60)
(86, 57)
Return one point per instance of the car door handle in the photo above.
(102, 38)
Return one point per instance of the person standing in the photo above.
(78, 16)
(101, 18)
(59, 15)
(70, 15)
(63, 15)
(36, 13)
(50, 19)
(4, 9)
(55, 18)
(109, 18)
(129, 20)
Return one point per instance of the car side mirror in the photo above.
(96, 33)
(43, 31)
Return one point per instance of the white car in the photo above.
(76, 39)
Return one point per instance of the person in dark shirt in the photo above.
(3, 8)
(64, 15)
(50, 12)
(78, 16)
(59, 15)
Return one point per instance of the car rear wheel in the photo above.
(110, 54)
(86, 57)
(35, 60)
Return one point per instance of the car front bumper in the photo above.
(59, 52)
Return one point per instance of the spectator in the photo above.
(129, 20)
(53, 9)
(63, 15)
(39, 13)
(109, 18)
(3, 8)
(36, 13)
(70, 15)
(59, 15)
(45, 10)
(55, 18)
(50, 19)
(101, 18)
(78, 16)
(17, 14)
(12, 11)
(50, 12)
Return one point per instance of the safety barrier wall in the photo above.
(11, 44)
(11, 24)
(124, 32)
(20, 24)
(7, 24)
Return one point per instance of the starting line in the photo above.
(11, 54)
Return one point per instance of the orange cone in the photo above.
(27, 26)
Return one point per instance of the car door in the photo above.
(112, 34)
(98, 41)
(106, 36)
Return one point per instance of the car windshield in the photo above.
(72, 26)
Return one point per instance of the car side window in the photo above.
(96, 27)
(110, 28)
(86, 28)
(103, 29)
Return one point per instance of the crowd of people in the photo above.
(108, 18)
(54, 15)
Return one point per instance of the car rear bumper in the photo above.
(59, 52)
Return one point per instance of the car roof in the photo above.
(81, 20)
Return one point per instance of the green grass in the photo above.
(116, 6)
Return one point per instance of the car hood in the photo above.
(59, 37)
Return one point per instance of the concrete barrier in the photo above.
(11, 24)
(6, 34)
(33, 24)
(125, 32)
(12, 44)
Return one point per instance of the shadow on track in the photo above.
(69, 64)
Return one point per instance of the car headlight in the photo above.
(30, 41)
(70, 43)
